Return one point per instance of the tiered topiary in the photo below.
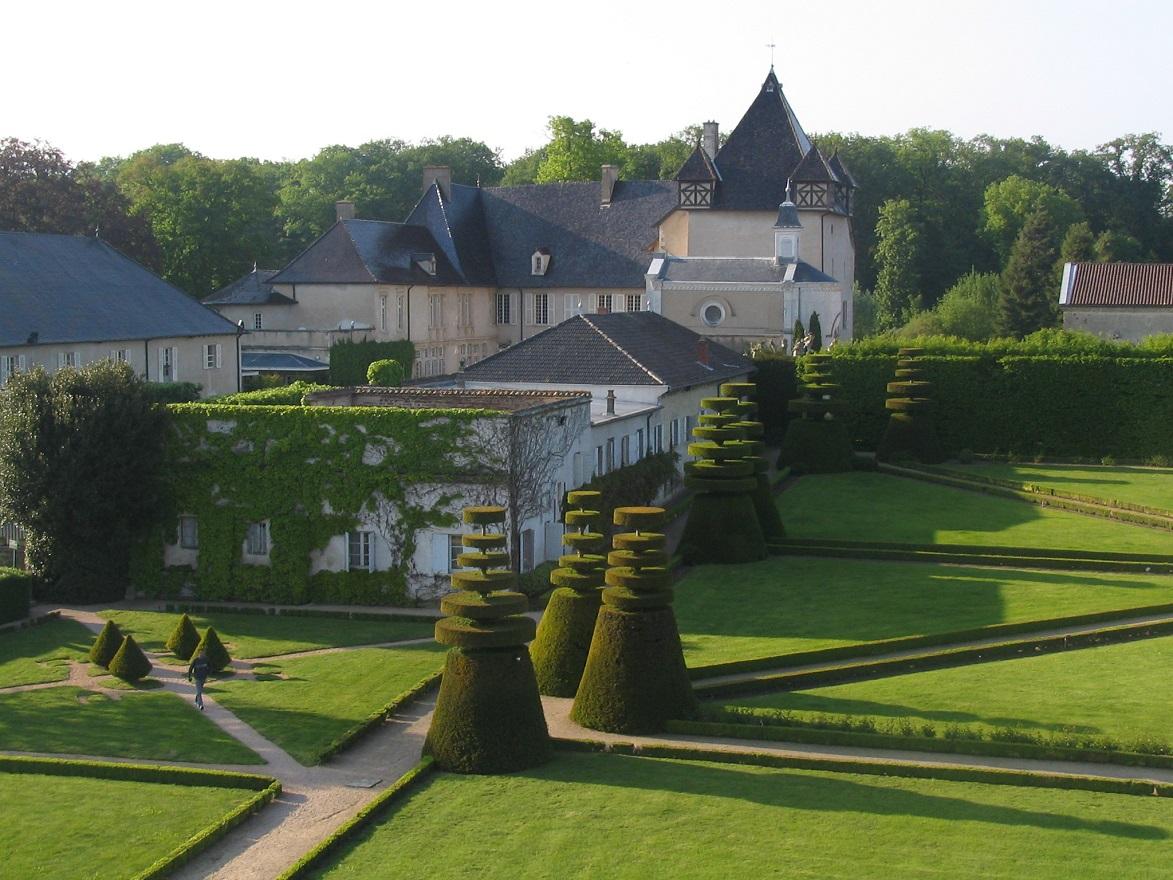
(218, 657)
(488, 716)
(130, 663)
(184, 639)
(722, 523)
(816, 442)
(763, 499)
(106, 645)
(911, 433)
(560, 649)
(635, 680)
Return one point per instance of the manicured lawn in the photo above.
(1123, 692)
(156, 726)
(792, 603)
(265, 635)
(1150, 487)
(324, 696)
(879, 507)
(42, 653)
(70, 828)
(589, 816)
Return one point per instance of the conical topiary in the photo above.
(130, 663)
(559, 650)
(184, 639)
(106, 645)
(218, 657)
(722, 523)
(763, 499)
(488, 716)
(816, 332)
(816, 442)
(635, 679)
(911, 433)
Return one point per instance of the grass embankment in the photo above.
(264, 635)
(155, 726)
(69, 827)
(880, 507)
(42, 653)
(686, 819)
(1144, 486)
(1120, 695)
(317, 699)
(789, 604)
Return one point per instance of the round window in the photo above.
(713, 314)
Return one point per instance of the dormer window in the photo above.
(540, 261)
(425, 262)
(786, 246)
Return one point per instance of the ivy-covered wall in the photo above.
(312, 473)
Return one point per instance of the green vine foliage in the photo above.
(349, 361)
(311, 472)
(281, 395)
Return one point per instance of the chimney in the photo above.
(702, 352)
(344, 210)
(710, 139)
(441, 174)
(610, 176)
(611, 402)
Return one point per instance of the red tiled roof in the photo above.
(1121, 284)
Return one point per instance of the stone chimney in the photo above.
(710, 139)
(441, 174)
(611, 402)
(344, 210)
(610, 176)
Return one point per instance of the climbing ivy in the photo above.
(310, 472)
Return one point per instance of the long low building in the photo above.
(1125, 301)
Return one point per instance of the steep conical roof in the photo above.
(837, 166)
(698, 167)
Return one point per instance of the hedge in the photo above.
(349, 360)
(777, 382)
(376, 718)
(136, 773)
(283, 395)
(16, 589)
(633, 485)
(278, 611)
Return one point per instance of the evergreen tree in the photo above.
(897, 253)
(184, 639)
(1029, 291)
(1079, 245)
(799, 331)
(130, 663)
(218, 656)
(106, 645)
(816, 332)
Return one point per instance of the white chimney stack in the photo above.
(710, 139)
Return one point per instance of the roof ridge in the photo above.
(625, 352)
(357, 251)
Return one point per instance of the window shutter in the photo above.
(21, 363)
(219, 355)
(529, 308)
(439, 553)
(174, 364)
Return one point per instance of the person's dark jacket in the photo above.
(200, 667)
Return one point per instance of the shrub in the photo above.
(130, 663)
(386, 373)
(218, 657)
(633, 485)
(816, 441)
(172, 392)
(349, 361)
(777, 382)
(284, 395)
(184, 639)
(106, 645)
(15, 594)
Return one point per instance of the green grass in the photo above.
(155, 726)
(265, 635)
(791, 603)
(1149, 487)
(1122, 692)
(324, 696)
(881, 507)
(42, 653)
(591, 815)
(73, 828)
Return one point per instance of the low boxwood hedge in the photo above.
(376, 718)
(16, 589)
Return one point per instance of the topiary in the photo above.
(218, 657)
(559, 650)
(635, 679)
(816, 332)
(488, 716)
(816, 441)
(385, 373)
(761, 496)
(184, 639)
(911, 433)
(106, 645)
(130, 663)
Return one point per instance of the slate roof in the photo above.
(499, 399)
(840, 170)
(814, 167)
(457, 224)
(1118, 284)
(622, 348)
(249, 290)
(698, 166)
(279, 361)
(69, 288)
(745, 270)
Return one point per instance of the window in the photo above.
(712, 313)
(658, 438)
(360, 554)
(382, 313)
(212, 356)
(399, 311)
(436, 311)
(541, 309)
(603, 303)
(189, 533)
(455, 548)
(634, 302)
(610, 462)
(466, 310)
(599, 461)
(674, 434)
(571, 305)
(10, 365)
(168, 364)
(504, 312)
(258, 321)
(256, 542)
(66, 359)
(639, 444)
(624, 451)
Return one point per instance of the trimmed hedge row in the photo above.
(886, 646)
(1141, 787)
(349, 360)
(16, 589)
(372, 811)
(309, 611)
(376, 718)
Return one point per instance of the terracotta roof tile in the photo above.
(1121, 284)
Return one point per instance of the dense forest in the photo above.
(953, 235)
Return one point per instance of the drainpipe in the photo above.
(520, 315)
(146, 360)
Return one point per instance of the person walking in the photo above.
(199, 669)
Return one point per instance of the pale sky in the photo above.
(280, 80)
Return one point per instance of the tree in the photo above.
(80, 463)
(816, 332)
(1029, 287)
(968, 310)
(577, 150)
(1114, 247)
(1010, 202)
(1078, 244)
(897, 282)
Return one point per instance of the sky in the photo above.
(281, 80)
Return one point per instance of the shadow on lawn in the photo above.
(825, 792)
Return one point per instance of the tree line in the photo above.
(938, 218)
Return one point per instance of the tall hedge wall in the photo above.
(349, 360)
(15, 594)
